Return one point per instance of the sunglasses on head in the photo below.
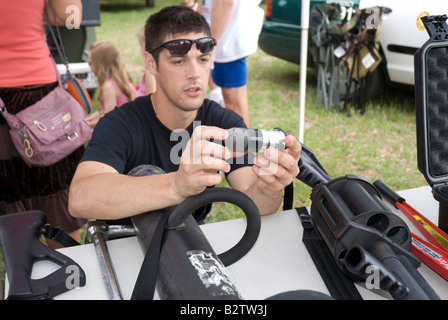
(180, 47)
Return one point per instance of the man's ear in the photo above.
(150, 63)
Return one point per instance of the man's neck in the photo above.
(170, 116)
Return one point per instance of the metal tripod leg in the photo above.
(98, 233)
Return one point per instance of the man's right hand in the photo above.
(201, 161)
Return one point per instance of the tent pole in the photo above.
(305, 21)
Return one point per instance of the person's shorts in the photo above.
(230, 74)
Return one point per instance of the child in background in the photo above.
(147, 82)
(114, 83)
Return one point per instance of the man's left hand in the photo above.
(277, 169)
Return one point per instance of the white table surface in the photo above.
(278, 262)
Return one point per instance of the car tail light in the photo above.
(269, 9)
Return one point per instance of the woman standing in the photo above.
(27, 75)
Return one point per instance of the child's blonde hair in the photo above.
(107, 64)
(141, 36)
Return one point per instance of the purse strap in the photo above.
(58, 43)
(57, 40)
(2, 106)
(3, 111)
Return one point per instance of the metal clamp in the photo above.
(98, 232)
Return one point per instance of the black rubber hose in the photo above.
(311, 170)
(220, 194)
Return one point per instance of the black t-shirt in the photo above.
(131, 135)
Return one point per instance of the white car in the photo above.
(403, 33)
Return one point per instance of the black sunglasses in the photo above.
(180, 47)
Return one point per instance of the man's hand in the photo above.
(277, 169)
(201, 161)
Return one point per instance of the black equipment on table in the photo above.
(21, 248)
(365, 239)
(431, 67)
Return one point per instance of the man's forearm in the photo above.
(114, 196)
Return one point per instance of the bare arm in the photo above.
(98, 191)
(109, 101)
(220, 17)
(60, 10)
(109, 93)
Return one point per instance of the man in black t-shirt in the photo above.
(172, 129)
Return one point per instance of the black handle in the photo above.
(388, 193)
(19, 239)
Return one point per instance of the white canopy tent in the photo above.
(305, 22)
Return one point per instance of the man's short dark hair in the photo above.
(172, 21)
